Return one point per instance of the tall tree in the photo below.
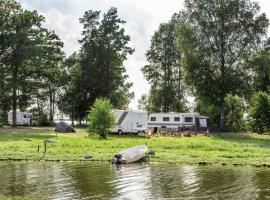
(260, 64)
(68, 101)
(164, 71)
(101, 72)
(218, 39)
(25, 44)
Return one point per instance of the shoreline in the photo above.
(141, 162)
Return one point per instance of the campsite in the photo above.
(116, 99)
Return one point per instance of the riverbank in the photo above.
(227, 149)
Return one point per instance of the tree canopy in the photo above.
(27, 51)
(164, 71)
(99, 70)
(216, 42)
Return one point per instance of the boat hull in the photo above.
(131, 155)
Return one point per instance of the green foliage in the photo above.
(259, 112)
(101, 117)
(100, 71)
(43, 119)
(143, 103)
(260, 63)
(68, 101)
(234, 112)
(216, 41)
(164, 71)
(29, 55)
(40, 116)
(207, 109)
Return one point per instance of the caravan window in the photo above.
(24, 116)
(153, 119)
(166, 119)
(188, 119)
(177, 119)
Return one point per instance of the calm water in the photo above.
(47, 180)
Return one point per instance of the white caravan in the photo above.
(129, 121)
(23, 118)
(176, 120)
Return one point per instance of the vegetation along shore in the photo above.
(232, 149)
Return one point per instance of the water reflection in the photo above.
(47, 180)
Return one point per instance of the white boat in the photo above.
(130, 155)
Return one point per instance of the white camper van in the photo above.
(23, 118)
(129, 121)
(176, 120)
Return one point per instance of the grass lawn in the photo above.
(228, 148)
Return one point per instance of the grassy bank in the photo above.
(245, 149)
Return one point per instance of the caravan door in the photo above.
(203, 123)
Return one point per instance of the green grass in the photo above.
(228, 148)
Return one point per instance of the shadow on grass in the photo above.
(22, 133)
(242, 138)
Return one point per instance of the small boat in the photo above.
(131, 155)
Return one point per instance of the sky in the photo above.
(142, 16)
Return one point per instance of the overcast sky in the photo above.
(143, 18)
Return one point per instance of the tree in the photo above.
(67, 101)
(164, 70)
(234, 112)
(260, 63)
(208, 109)
(100, 71)
(216, 41)
(101, 117)
(24, 50)
(143, 102)
(259, 112)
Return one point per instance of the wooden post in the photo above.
(45, 146)
(38, 148)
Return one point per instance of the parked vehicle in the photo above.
(23, 118)
(129, 121)
(131, 155)
(176, 120)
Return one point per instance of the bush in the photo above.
(234, 112)
(101, 118)
(43, 119)
(40, 117)
(259, 112)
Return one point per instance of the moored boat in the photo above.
(131, 155)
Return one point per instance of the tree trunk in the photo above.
(222, 114)
(222, 73)
(72, 115)
(53, 107)
(51, 104)
(14, 99)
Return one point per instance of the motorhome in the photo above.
(23, 118)
(129, 121)
(176, 120)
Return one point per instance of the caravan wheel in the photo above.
(120, 132)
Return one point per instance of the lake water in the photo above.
(92, 180)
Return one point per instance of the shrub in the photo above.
(101, 117)
(43, 119)
(259, 112)
(234, 112)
